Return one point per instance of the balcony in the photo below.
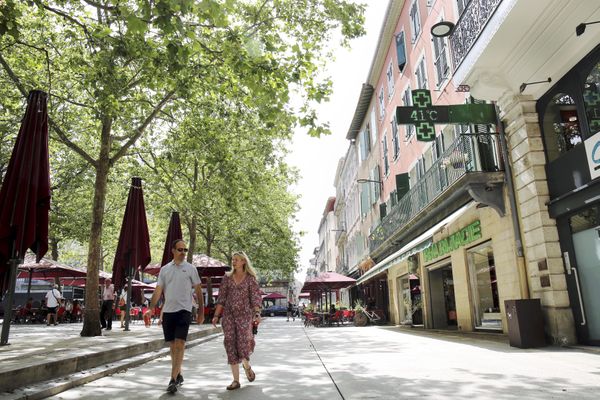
(469, 26)
(499, 44)
(470, 168)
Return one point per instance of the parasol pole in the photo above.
(128, 307)
(14, 262)
(29, 282)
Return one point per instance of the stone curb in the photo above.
(53, 367)
(55, 386)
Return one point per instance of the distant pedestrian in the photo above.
(290, 312)
(108, 299)
(178, 279)
(53, 298)
(123, 307)
(239, 305)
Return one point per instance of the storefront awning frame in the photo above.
(416, 245)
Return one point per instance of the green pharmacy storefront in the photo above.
(468, 271)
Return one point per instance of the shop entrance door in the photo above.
(443, 304)
(587, 254)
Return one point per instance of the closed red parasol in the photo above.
(133, 249)
(173, 233)
(24, 199)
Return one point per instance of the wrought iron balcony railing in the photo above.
(469, 26)
(470, 153)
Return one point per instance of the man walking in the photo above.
(108, 299)
(178, 279)
(53, 297)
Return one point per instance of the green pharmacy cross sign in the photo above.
(424, 115)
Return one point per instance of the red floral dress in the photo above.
(239, 302)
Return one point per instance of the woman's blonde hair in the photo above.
(247, 265)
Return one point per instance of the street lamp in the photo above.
(442, 29)
(369, 180)
(581, 27)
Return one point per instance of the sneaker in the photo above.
(179, 379)
(172, 388)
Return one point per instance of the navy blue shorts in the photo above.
(176, 325)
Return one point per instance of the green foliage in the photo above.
(359, 306)
(193, 96)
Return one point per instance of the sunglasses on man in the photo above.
(182, 250)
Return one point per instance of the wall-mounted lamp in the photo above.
(369, 180)
(579, 29)
(525, 84)
(442, 29)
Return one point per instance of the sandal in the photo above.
(249, 374)
(234, 385)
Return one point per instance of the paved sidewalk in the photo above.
(365, 363)
(43, 360)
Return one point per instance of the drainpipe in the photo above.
(523, 283)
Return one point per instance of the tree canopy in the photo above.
(194, 96)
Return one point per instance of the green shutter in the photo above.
(402, 185)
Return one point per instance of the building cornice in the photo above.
(386, 35)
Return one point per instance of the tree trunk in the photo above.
(193, 239)
(91, 321)
(54, 248)
(209, 241)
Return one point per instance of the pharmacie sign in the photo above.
(424, 115)
(442, 247)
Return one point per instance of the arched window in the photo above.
(561, 128)
(591, 97)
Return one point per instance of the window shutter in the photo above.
(402, 185)
(364, 199)
(401, 51)
(393, 198)
(382, 210)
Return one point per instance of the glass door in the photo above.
(587, 254)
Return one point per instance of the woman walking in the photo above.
(239, 305)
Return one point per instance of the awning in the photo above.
(416, 245)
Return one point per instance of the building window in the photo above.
(390, 80)
(381, 104)
(395, 139)
(415, 21)
(386, 161)
(591, 97)
(364, 143)
(421, 74)
(484, 286)
(562, 131)
(375, 186)
(401, 51)
(407, 101)
(442, 67)
(373, 127)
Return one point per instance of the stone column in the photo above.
(543, 260)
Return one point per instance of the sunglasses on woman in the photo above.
(182, 250)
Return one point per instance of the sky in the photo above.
(317, 158)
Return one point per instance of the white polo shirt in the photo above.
(178, 282)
